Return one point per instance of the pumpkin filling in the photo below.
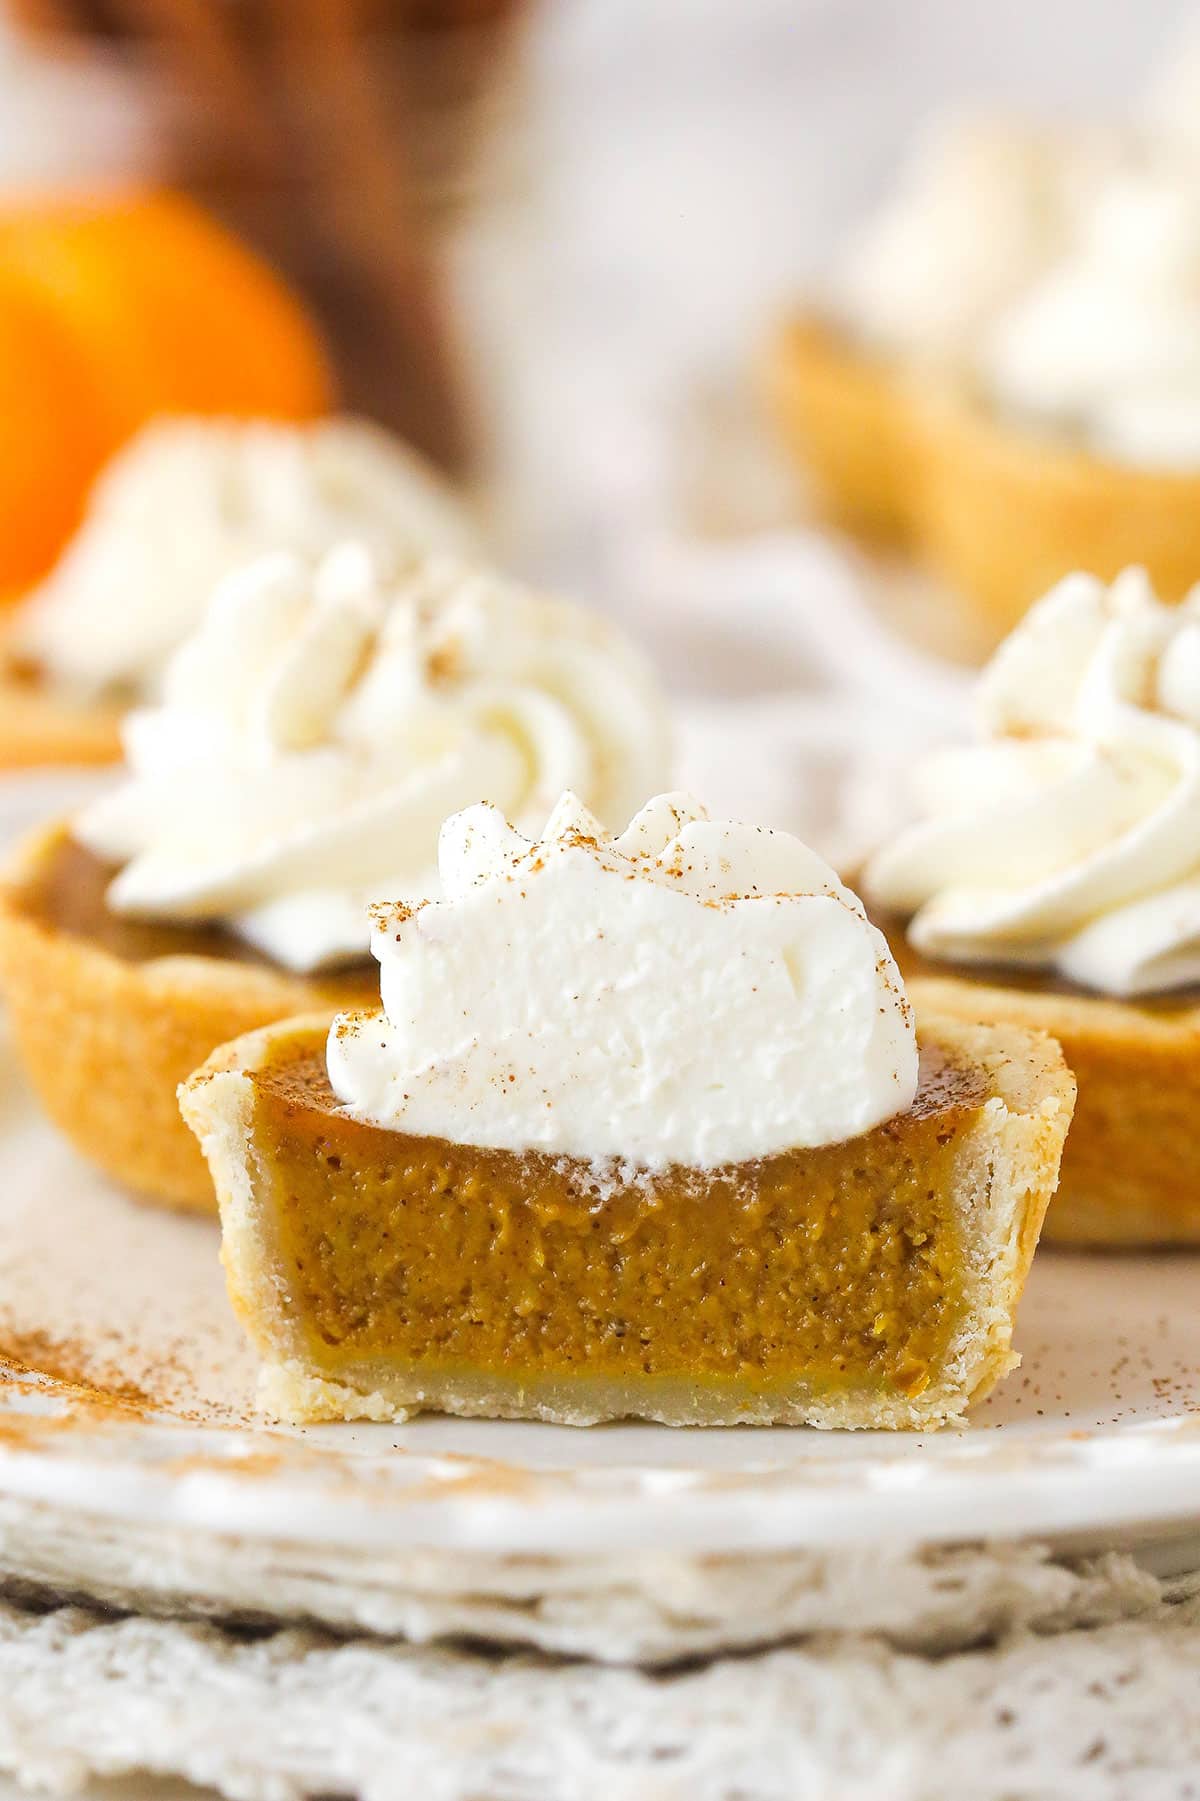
(842, 1264)
(65, 893)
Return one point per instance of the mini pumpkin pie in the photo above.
(642, 1129)
(979, 211)
(1053, 882)
(310, 738)
(186, 502)
(1005, 375)
(1076, 441)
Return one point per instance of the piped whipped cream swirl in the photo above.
(980, 210)
(1069, 838)
(323, 722)
(692, 992)
(1106, 345)
(190, 500)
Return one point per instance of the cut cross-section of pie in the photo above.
(867, 1283)
(855, 1258)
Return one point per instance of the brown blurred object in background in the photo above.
(340, 137)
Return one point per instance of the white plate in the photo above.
(129, 1393)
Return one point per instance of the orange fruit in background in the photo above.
(218, 320)
(52, 440)
(112, 311)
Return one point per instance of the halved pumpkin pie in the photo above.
(846, 1246)
(872, 1282)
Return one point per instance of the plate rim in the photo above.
(274, 1484)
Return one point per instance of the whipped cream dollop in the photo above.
(691, 992)
(1069, 837)
(1106, 344)
(190, 500)
(984, 205)
(323, 721)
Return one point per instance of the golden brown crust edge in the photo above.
(39, 726)
(1035, 1093)
(847, 421)
(106, 1042)
(1008, 1170)
(1131, 1168)
(1000, 513)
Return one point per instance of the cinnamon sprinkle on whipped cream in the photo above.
(692, 992)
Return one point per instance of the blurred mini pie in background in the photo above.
(642, 1128)
(1004, 372)
(1053, 882)
(186, 502)
(307, 743)
(1077, 442)
(981, 208)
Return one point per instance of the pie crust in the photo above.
(871, 1283)
(1003, 513)
(848, 421)
(107, 1036)
(1131, 1168)
(40, 726)
(999, 512)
